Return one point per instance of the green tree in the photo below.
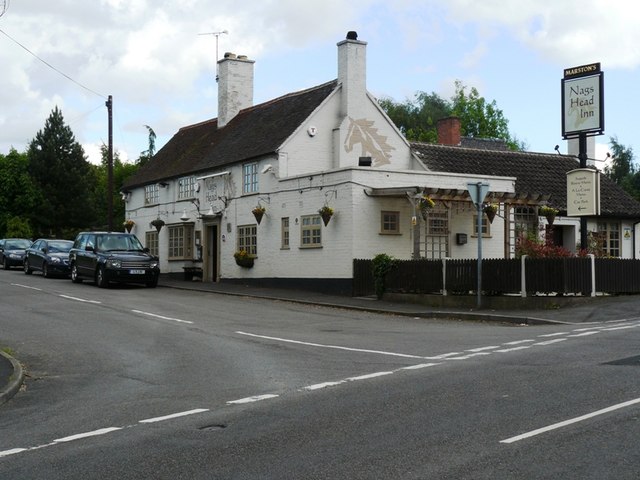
(59, 169)
(417, 119)
(18, 193)
(146, 155)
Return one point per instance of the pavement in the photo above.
(560, 310)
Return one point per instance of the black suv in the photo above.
(107, 257)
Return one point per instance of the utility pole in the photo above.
(109, 104)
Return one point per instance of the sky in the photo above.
(151, 56)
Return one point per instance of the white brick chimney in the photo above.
(352, 72)
(235, 86)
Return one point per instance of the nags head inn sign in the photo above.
(583, 101)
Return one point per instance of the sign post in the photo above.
(478, 191)
(582, 116)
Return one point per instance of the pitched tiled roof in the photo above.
(536, 173)
(255, 131)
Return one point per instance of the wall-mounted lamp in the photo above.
(267, 168)
(163, 184)
(184, 216)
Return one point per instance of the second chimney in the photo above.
(449, 131)
(235, 86)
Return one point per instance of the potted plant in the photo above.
(548, 212)
(158, 223)
(128, 225)
(258, 212)
(490, 210)
(326, 213)
(425, 203)
(243, 259)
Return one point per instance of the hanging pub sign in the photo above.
(583, 101)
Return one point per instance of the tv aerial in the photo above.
(4, 6)
(217, 35)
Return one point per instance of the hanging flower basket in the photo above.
(243, 259)
(425, 203)
(490, 211)
(158, 224)
(128, 225)
(326, 213)
(549, 213)
(258, 212)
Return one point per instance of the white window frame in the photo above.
(611, 236)
(151, 242)
(151, 194)
(311, 231)
(180, 241)
(285, 234)
(250, 177)
(247, 239)
(186, 187)
(486, 226)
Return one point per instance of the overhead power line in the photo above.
(50, 66)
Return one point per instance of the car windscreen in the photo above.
(60, 247)
(17, 244)
(113, 243)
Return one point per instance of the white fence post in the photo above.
(523, 277)
(593, 274)
(444, 277)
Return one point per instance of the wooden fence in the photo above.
(505, 276)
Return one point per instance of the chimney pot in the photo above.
(352, 35)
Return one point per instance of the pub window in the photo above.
(311, 231)
(248, 239)
(285, 233)
(180, 242)
(390, 222)
(250, 177)
(151, 242)
(151, 194)
(485, 226)
(187, 187)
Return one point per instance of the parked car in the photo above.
(106, 257)
(12, 251)
(50, 256)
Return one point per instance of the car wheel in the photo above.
(101, 278)
(27, 269)
(45, 271)
(153, 283)
(75, 278)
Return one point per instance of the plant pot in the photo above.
(550, 218)
(245, 262)
(258, 214)
(158, 224)
(491, 214)
(326, 217)
(424, 212)
(128, 228)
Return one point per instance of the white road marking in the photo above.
(583, 334)
(519, 342)
(76, 299)
(368, 376)
(571, 421)
(513, 349)
(95, 433)
(421, 365)
(13, 451)
(149, 314)
(554, 334)
(255, 398)
(549, 342)
(619, 328)
(336, 347)
(318, 386)
(174, 415)
(481, 349)
(26, 286)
